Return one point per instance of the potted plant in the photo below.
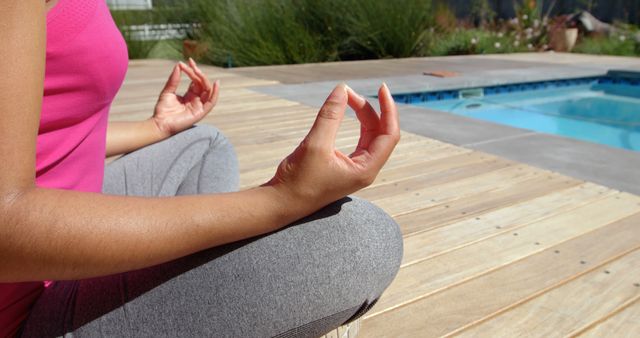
(563, 35)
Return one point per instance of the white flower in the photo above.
(525, 17)
(516, 43)
(623, 38)
(514, 21)
(474, 41)
(530, 46)
(500, 34)
(536, 23)
(497, 45)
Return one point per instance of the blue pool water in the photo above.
(598, 110)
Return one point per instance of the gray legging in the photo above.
(301, 281)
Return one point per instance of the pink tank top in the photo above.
(85, 65)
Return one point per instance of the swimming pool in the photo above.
(604, 110)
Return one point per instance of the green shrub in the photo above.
(261, 32)
(473, 41)
(608, 46)
(481, 12)
(384, 29)
(266, 32)
(249, 32)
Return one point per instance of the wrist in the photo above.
(293, 205)
(156, 129)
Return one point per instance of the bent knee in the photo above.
(207, 131)
(372, 240)
(217, 140)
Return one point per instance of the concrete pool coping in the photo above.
(612, 167)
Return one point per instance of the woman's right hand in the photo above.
(316, 173)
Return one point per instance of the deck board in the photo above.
(576, 303)
(492, 247)
(506, 246)
(622, 324)
(480, 298)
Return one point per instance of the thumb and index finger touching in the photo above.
(325, 128)
(196, 76)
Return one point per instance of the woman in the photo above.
(207, 261)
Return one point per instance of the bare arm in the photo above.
(127, 136)
(56, 234)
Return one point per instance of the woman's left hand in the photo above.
(174, 113)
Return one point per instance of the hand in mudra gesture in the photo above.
(174, 113)
(317, 173)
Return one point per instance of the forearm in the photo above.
(125, 137)
(58, 235)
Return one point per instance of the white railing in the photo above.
(130, 4)
(150, 32)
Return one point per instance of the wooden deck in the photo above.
(492, 247)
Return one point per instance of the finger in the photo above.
(364, 111)
(377, 152)
(207, 86)
(173, 82)
(208, 105)
(369, 120)
(389, 117)
(192, 75)
(325, 128)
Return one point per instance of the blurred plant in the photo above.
(481, 13)
(615, 45)
(473, 41)
(445, 19)
(262, 32)
(248, 33)
(531, 26)
(383, 29)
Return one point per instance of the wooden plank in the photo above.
(224, 107)
(250, 178)
(582, 300)
(459, 162)
(275, 149)
(450, 237)
(259, 115)
(418, 153)
(440, 171)
(420, 197)
(261, 136)
(268, 158)
(475, 205)
(622, 324)
(419, 280)
(481, 298)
